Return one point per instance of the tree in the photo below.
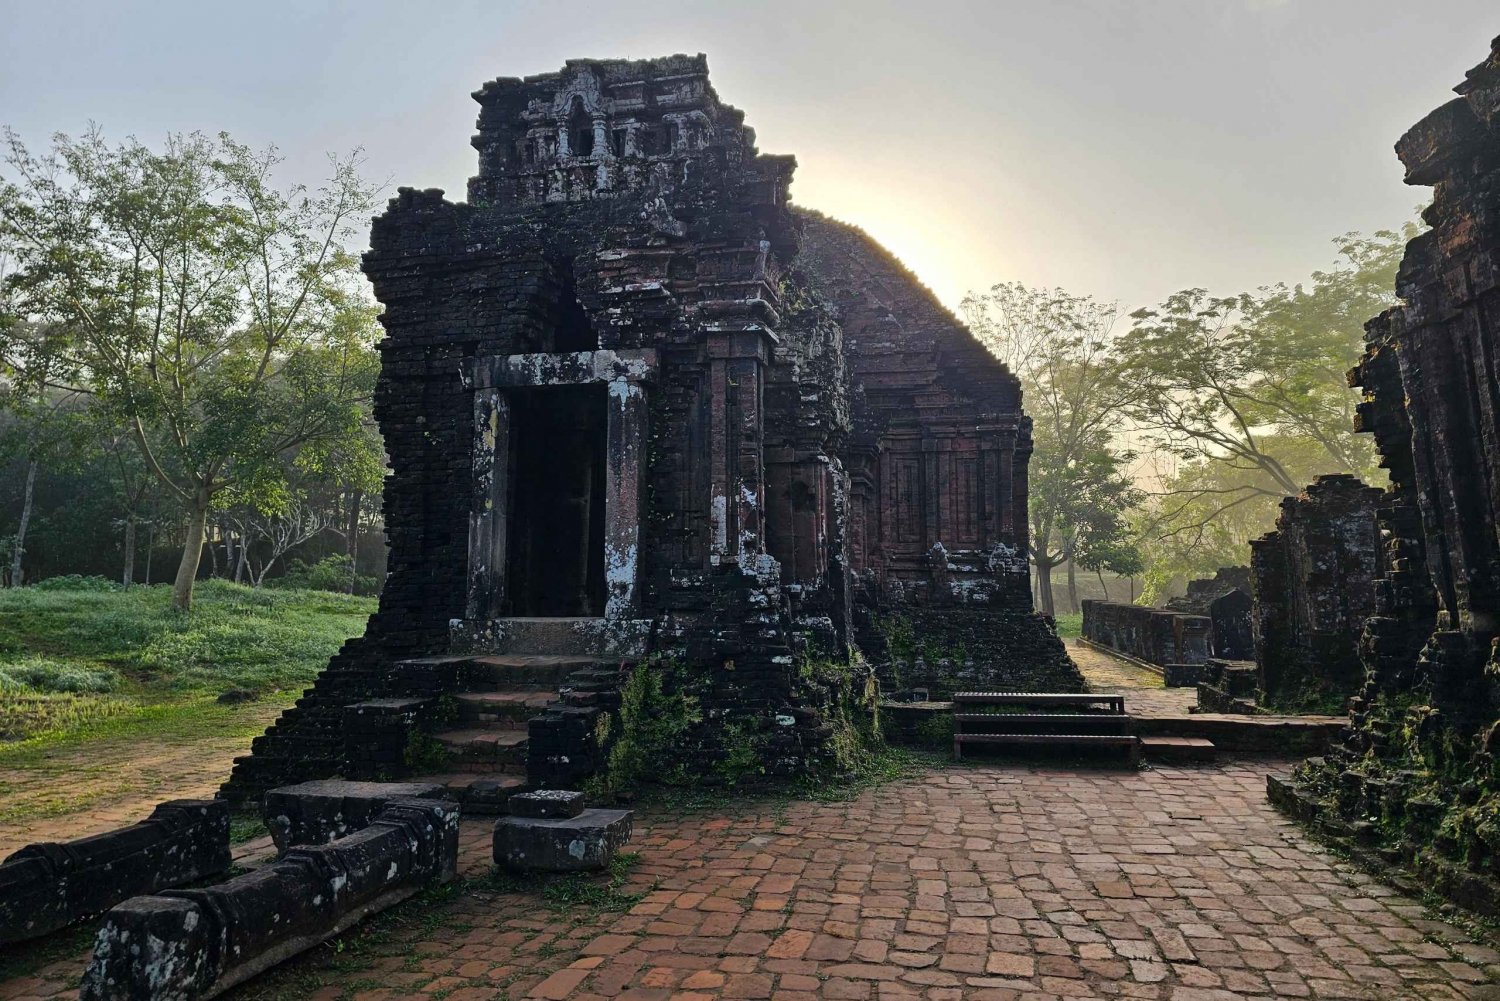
(203, 308)
(46, 426)
(1062, 348)
(1247, 396)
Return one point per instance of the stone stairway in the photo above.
(550, 674)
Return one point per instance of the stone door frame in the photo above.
(625, 374)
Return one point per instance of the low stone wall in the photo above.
(194, 944)
(1154, 635)
(315, 813)
(47, 886)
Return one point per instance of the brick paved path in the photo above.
(997, 883)
(1143, 689)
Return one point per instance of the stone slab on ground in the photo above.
(1256, 734)
(547, 803)
(47, 886)
(1179, 749)
(196, 944)
(561, 844)
(314, 813)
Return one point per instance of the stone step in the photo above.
(1107, 724)
(1178, 749)
(486, 749)
(1131, 746)
(509, 709)
(1297, 736)
(527, 670)
(480, 792)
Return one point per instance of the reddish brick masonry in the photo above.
(993, 883)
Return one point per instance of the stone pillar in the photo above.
(488, 514)
(624, 467)
(737, 360)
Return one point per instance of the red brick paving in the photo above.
(997, 883)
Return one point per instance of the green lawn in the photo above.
(1069, 625)
(89, 659)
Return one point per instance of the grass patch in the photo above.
(77, 659)
(1069, 625)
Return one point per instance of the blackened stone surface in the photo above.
(1155, 636)
(191, 944)
(1314, 582)
(313, 813)
(1417, 770)
(799, 443)
(547, 803)
(44, 887)
(1225, 598)
(561, 844)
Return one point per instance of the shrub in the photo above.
(39, 675)
(331, 573)
(77, 582)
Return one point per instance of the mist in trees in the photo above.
(1166, 440)
(1062, 348)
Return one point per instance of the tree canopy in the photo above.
(214, 317)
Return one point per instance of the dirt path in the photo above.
(1147, 695)
(80, 788)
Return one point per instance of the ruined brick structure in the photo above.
(1314, 581)
(1225, 598)
(1419, 769)
(637, 406)
(1157, 637)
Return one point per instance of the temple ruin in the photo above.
(1417, 774)
(638, 408)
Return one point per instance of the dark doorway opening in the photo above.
(556, 539)
(574, 332)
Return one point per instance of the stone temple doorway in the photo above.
(557, 504)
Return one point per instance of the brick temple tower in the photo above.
(635, 404)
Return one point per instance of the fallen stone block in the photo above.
(47, 886)
(1182, 675)
(587, 840)
(186, 945)
(547, 803)
(314, 813)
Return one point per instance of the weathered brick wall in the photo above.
(937, 458)
(1419, 769)
(1314, 587)
(1225, 599)
(1155, 635)
(816, 426)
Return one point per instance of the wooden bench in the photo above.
(1095, 721)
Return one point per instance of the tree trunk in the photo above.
(242, 550)
(127, 576)
(192, 552)
(1072, 589)
(1104, 586)
(1044, 586)
(15, 560)
(150, 548)
(354, 501)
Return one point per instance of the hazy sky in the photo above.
(1122, 148)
